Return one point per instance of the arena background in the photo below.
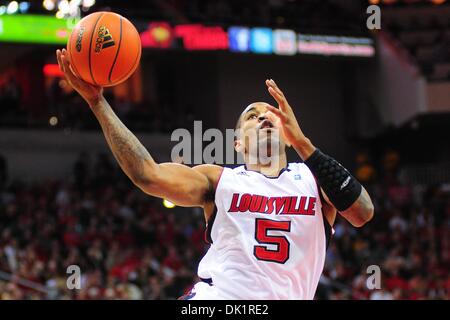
(377, 100)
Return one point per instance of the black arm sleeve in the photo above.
(339, 185)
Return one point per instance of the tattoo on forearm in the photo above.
(126, 148)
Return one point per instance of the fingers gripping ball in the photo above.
(104, 49)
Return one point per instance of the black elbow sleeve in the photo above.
(339, 185)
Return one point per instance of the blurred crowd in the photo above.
(128, 246)
(65, 109)
(408, 240)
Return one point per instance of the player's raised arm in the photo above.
(341, 190)
(178, 183)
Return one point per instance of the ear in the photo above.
(238, 146)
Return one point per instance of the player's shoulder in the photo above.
(238, 168)
(297, 166)
(211, 171)
(300, 168)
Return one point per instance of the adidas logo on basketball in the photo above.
(104, 39)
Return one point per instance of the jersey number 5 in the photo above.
(281, 253)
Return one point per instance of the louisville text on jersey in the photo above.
(273, 205)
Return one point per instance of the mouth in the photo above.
(266, 124)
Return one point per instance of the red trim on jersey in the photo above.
(328, 227)
(322, 198)
(218, 180)
(209, 224)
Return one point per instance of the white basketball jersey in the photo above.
(268, 236)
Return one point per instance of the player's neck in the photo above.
(271, 169)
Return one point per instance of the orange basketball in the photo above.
(104, 49)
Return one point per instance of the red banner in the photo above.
(198, 37)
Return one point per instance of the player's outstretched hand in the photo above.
(291, 129)
(92, 94)
(284, 112)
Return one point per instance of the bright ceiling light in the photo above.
(63, 6)
(168, 204)
(88, 3)
(24, 6)
(49, 4)
(59, 14)
(13, 6)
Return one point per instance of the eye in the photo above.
(252, 116)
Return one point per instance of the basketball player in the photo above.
(268, 225)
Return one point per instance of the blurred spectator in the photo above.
(365, 171)
(390, 162)
(381, 295)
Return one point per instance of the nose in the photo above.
(262, 117)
